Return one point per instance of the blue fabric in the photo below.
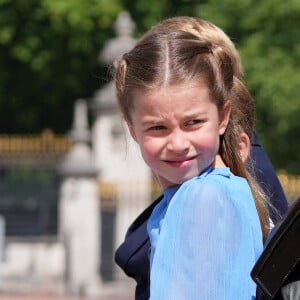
(132, 254)
(205, 238)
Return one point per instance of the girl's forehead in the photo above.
(178, 97)
(167, 88)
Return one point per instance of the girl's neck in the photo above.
(218, 162)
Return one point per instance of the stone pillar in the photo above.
(79, 224)
(2, 238)
(122, 166)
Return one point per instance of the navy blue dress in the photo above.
(266, 176)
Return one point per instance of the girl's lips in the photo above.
(180, 163)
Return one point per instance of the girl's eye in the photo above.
(193, 122)
(157, 128)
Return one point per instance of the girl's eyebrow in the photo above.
(194, 113)
(150, 121)
(155, 121)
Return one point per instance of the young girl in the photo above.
(174, 91)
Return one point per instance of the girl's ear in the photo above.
(131, 130)
(244, 146)
(224, 117)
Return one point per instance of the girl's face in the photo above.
(177, 129)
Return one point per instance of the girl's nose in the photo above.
(178, 142)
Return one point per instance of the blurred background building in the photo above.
(66, 201)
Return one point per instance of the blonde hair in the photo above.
(182, 49)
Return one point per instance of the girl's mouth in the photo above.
(181, 163)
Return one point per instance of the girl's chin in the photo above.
(166, 183)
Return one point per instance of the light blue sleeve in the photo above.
(206, 245)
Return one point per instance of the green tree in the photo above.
(147, 13)
(48, 59)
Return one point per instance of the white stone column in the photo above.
(79, 229)
(115, 152)
(2, 238)
(79, 212)
(121, 165)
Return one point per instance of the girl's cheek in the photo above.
(152, 147)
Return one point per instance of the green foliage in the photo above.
(48, 58)
(147, 13)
